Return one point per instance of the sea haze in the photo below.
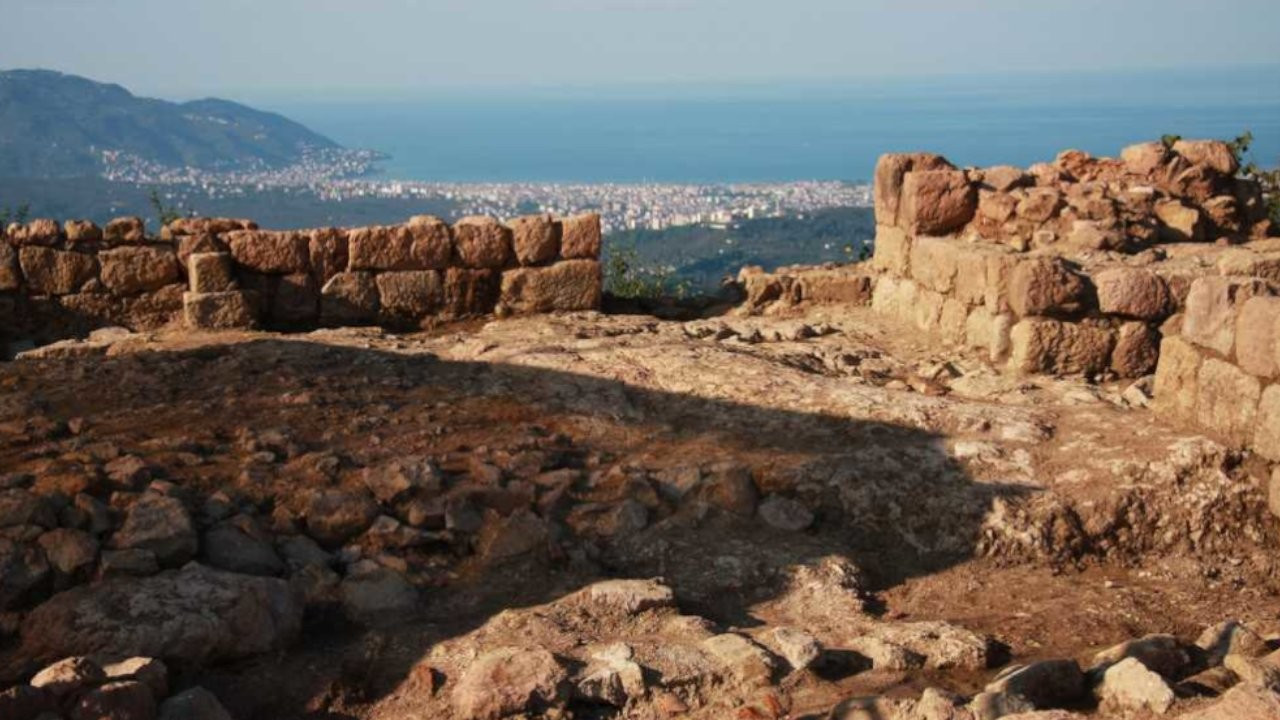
(798, 131)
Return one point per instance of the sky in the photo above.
(254, 49)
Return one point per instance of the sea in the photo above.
(787, 131)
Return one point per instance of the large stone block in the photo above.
(1212, 303)
(1144, 158)
(82, 232)
(125, 230)
(276, 253)
(952, 319)
(410, 294)
(1227, 400)
(1040, 205)
(1256, 336)
(10, 277)
(1266, 435)
(1213, 154)
(999, 272)
(989, 331)
(580, 237)
(847, 288)
(1177, 379)
(536, 239)
(210, 272)
(188, 245)
(220, 310)
(934, 262)
(137, 269)
(328, 253)
(470, 292)
(56, 272)
(1137, 350)
(567, 285)
(971, 275)
(1043, 345)
(889, 174)
(349, 297)
(1046, 286)
(937, 202)
(1247, 263)
(397, 248)
(1133, 292)
(482, 242)
(892, 251)
(41, 231)
(895, 298)
(296, 300)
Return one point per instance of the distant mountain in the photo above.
(54, 125)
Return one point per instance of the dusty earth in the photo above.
(824, 515)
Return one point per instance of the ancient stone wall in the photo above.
(60, 281)
(1066, 267)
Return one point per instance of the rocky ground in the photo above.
(614, 516)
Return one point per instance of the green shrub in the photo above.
(626, 276)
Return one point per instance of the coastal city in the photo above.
(338, 176)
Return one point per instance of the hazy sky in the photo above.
(259, 48)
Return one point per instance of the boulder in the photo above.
(937, 202)
(1144, 158)
(1129, 686)
(160, 524)
(220, 310)
(890, 171)
(335, 516)
(536, 239)
(1046, 286)
(192, 615)
(1178, 222)
(126, 700)
(432, 247)
(276, 253)
(40, 231)
(1261, 672)
(349, 297)
(137, 269)
(611, 677)
(128, 563)
(566, 286)
(210, 272)
(193, 704)
(1003, 178)
(1133, 292)
(580, 237)
(56, 272)
(1046, 684)
(409, 294)
(482, 242)
(730, 487)
(241, 545)
(23, 702)
(81, 232)
(1039, 205)
(1213, 154)
(19, 506)
(509, 681)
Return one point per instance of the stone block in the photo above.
(1213, 154)
(205, 226)
(349, 297)
(82, 232)
(996, 286)
(296, 300)
(1133, 292)
(971, 275)
(926, 313)
(952, 319)
(1044, 345)
(397, 248)
(580, 237)
(892, 251)
(137, 269)
(327, 252)
(41, 231)
(1256, 336)
(10, 277)
(1144, 158)
(1266, 436)
(1178, 222)
(934, 263)
(1046, 286)
(1247, 263)
(1227, 400)
(1212, 304)
(210, 272)
(482, 242)
(125, 230)
(989, 331)
(56, 272)
(276, 253)
(219, 310)
(410, 294)
(565, 286)
(1003, 178)
(1177, 379)
(470, 292)
(1040, 205)
(937, 202)
(188, 245)
(889, 174)
(895, 298)
(840, 287)
(536, 239)
(1137, 350)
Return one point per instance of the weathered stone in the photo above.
(508, 681)
(536, 239)
(241, 545)
(937, 202)
(193, 704)
(69, 677)
(1257, 672)
(997, 207)
(611, 677)
(1210, 311)
(1239, 703)
(1227, 400)
(1247, 263)
(40, 231)
(1214, 154)
(410, 293)
(730, 487)
(630, 596)
(1046, 684)
(373, 594)
(470, 292)
(128, 563)
(1256, 336)
(56, 272)
(1230, 637)
(71, 552)
(425, 244)
(1003, 178)
(276, 253)
(1177, 379)
(161, 524)
(296, 300)
(1130, 686)
(741, 658)
(432, 247)
(138, 269)
(349, 297)
(194, 615)
(127, 700)
(850, 288)
(892, 250)
(1046, 286)
(1162, 654)
(80, 232)
(1178, 222)
(1133, 292)
(580, 237)
(126, 230)
(934, 262)
(797, 647)
(210, 272)
(392, 480)
(150, 671)
(1040, 204)
(565, 286)
(335, 516)
(10, 276)
(1266, 434)
(1137, 350)
(1144, 158)
(889, 174)
(220, 310)
(328, 254)
(188, 245)
(482, 242)
(1041, 345)
(501, 538)
(206, 226)
(784, 513)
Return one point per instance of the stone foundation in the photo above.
(59, 281)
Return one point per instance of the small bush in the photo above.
(625, 276)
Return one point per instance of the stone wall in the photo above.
(60, 281)
(1067, 267)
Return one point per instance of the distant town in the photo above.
(338, 176)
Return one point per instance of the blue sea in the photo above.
(791, 131)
